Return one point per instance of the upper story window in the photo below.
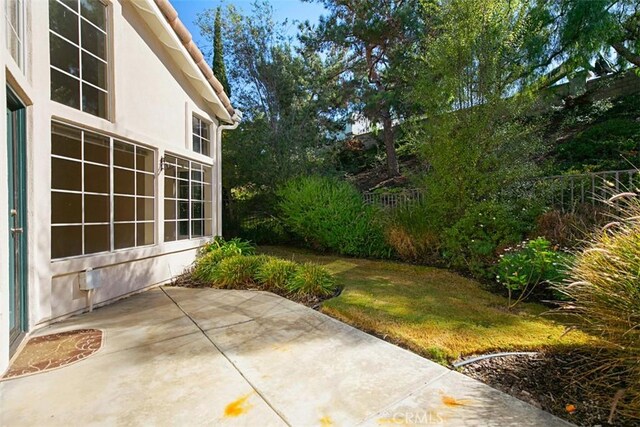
(78, 48)
(201, 140)
(15, 30)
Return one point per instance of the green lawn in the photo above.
(434, 312)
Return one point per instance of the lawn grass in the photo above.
(433, 312)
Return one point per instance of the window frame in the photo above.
(107, 61)
(203, 123)
(207, 190)
(20, 33)
(111, 194)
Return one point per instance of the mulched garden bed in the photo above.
(559, 383)
(186, 280)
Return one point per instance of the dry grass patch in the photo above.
(434, 312)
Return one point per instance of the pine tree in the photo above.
(218, 54)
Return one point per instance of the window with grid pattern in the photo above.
(78, 47)
(201, 142)
(102, 193)
(188, 208)
(15, 30)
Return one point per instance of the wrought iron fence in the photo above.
(394, 199)
(568, 192)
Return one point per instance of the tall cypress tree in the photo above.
(218, 67)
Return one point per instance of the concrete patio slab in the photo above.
(177, 356)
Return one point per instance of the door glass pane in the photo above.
(170, 187)
(124, 235)
(66, 208)
(96, 179)
(183, 210)
(66, 174)
(170, 209)
(65, 141)
(64, 55)
(96, 208)
(65, 89)
(66, 241)
(183, 230)
(96, 239)
(197, 228)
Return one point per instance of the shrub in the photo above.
(568, 228)
(231, 247)
(411, 235)
(267, 230)
(237, 270)
(474, 240)
(530, 265)
(604, 299)
(276, 273)
(206, 264)
(330, 214)
(313, 280)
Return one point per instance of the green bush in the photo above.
(276, 273)
(525, 268)
(267, 230)
(412, 236)
(231, 247)
(473, 242)
(604, 301)
(312, 280)
(206, 264)
(330, 214)
(237, 270)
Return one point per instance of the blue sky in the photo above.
(284, 9)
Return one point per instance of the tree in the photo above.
(373, 37)
(289, 108)
(218, 66)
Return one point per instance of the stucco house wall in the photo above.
(152, 103)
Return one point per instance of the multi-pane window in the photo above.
(188, 208)
(201, 136)
(15, 30)
(102, 193)
(78, 48)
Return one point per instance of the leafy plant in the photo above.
(237, 270)
(533, 263)
(604, 300)
(327, 213)
(275, 273)
(207, 263)
(234, 246)
(312, 279)
(474, 240)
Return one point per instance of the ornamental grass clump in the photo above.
(237, 271)
(276, 273)
(312, 280)
(604, 301)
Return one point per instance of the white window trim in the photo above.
(108, 61)
(176, 220)
(111, 194)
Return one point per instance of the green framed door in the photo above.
(17, 174)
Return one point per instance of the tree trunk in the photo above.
(389, 143)
(627, 54)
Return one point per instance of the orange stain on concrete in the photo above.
(238, 407)
(452, 402)
(326, 421)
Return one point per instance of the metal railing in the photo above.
(394, 199)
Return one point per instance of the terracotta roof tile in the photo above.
(171, 15)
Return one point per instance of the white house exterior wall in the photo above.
(152, 105)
